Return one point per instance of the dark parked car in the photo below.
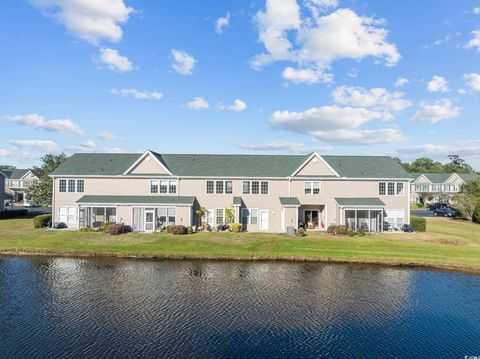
(407, 228)
(444, 212)
(437, 205)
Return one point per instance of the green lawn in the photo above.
(448, 244)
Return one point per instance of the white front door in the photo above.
(264, 220)
(149, 220)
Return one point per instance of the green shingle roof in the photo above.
(360, 202)
(204, 165)
(153, 200)
(289, 201)
(442, 177)
(15, 174)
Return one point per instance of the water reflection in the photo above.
(52, 307)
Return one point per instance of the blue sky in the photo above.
(278, 76)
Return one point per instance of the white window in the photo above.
(395, 217)
(307, 187)
(80, 186)
(264, 187)
(219, 187)
(391, 188)
(316, 187)
(311, 187)
(255, 187)
(228, 187)
(400, 191)
(62, 187)
(254, 216)
(172, 187)
(219, 216)
(154, 186)
(62, 214)
(163, 186)
(246, 187)
(210, 218)
(382, 188)
(210, 186)
(67, 214)
(71, 185)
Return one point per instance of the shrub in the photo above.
(189, 230)
(104, 226)
(114, 229)
(301, 232)
(419, 224)
(418, 205)
(361, 232)
(332, 229)
(87, 229)
(13, 213)
(341, 230)
(476, 213)
(180, 229)
(236, 227)
(42, 221)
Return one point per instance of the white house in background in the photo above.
(2, 190)
(18, 182)
(437, 186)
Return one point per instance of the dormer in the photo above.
(148, 164)
(315, 166)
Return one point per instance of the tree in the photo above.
(202, 215)
(471, 187)
(457, 164)
(425, 164)
(229, 214)
(405, 165)
(467, 200)
(41, 192)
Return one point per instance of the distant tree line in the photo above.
(427, 165)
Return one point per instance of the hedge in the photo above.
(13, 213)
(177, 229)
(42, 221)
(476, 213)
(114, 229)
(236, 227)
(419, 224)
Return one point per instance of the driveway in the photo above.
(421, 213)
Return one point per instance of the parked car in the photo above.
(30, 205)
(437, 205)
(444, 212)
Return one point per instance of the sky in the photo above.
(399, 78)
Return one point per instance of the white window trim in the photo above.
(224, 187)
(395, 185)
(259, 187)
(311, 188)
(159, 181)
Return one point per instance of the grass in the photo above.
(448, 243)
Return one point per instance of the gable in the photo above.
(29, 177)
(148, 165)
(422, 179)
(315, 166)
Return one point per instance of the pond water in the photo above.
(70, 307)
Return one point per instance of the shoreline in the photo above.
(164, 256)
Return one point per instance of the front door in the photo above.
(264, 220)
(311, 219)
(149, 220)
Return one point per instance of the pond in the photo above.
(73, 307)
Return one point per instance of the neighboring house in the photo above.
(437, 186)
(2, 191)
(267, 192)
(18, 182)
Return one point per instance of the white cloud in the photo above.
(475, 41)
(473, 80)
(183, 63)
(466, 149)
(401, 81)
(317, 41)
(433, 112)
(44, 145)
(476, 11)
(108, 136)
(379, 99)
(461, 91)
(274, 146)
(137, 94)
(221, 23)
(336, 124)
(89, 144)
(198, 103)
(113, 60)
(238, 105)
(308, 76)
(56, 125)
(88, 20)
(4, 153)
(438, 84)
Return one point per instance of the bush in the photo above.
(180, 229)
(114, 229)
(332, 229)
(104, 226)
(189, 230)
(301, 232)
(42, 221)
(13, 213)
(476, 213)
(419, 224)
(341, 230)
(87, 229)
(236, 227)
(418, 205)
